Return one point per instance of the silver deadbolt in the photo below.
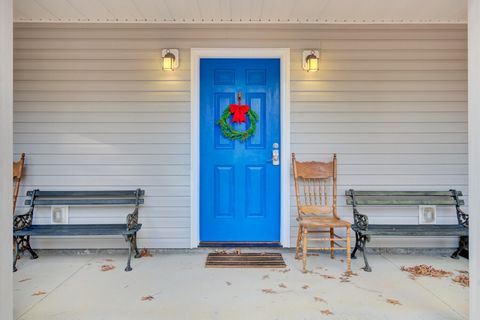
(275, 154)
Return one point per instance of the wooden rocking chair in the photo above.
(316, 214)
(17, 177)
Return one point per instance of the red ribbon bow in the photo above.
(239, 112)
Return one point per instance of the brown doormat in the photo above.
(245, 260)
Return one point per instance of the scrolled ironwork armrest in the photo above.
(361, 220)
(462, 217)
(132, 219)
(23, 221)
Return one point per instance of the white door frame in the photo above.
(284, 56)
(6, 158)
(474, 152)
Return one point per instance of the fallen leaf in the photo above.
(230, 251)
(347, 275)
(327, 276)
(350, 274)
(268, 291)
(285, 271)
(462, 271)
(107, 267)
(424, 270)
(318, 299)
(462, 279)
(109, 260)
(281, 285)
(145, 253)
(147, 298)
(342, 261)
(23, 280)
(228, 283)
(305, 287)
(326, 312)
(265, 277)
(394, 302)
(39, 293)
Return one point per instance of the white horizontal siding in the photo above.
(94, 110)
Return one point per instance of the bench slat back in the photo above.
(85, 198)
(403, 193)
(403, 198)
(85, 194)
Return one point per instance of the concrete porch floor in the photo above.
(73, 288)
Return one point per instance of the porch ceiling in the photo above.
(242, 11)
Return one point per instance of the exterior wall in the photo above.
(6, 118)
(94, 110)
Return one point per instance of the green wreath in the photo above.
(230, 133)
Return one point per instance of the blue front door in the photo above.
(239, 184)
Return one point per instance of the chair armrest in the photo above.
(462, 217)
(23, 221)
(360, 220)
(132, 219)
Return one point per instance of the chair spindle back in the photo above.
(17, 177)
(313, 181)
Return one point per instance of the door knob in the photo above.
(275, 154)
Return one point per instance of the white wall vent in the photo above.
(427, 215)
(59, 215)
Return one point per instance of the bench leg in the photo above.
(16, 256)
(129, 239)
(137, 253)
(33, 254)
(23, 244)
(462, 245)
(357, 245)
(363, 248)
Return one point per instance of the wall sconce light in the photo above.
(170, 59)
(310, 60)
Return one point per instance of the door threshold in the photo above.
(246, 244)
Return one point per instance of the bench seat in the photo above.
(413, 230)
(24, 228)
(364, 229)
(66, 230)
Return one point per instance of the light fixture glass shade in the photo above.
(312, 63)
(169, 62)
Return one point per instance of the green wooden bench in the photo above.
(23, 227)
(364, 230)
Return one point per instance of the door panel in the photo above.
(239, 185)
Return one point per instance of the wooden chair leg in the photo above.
(348, 251)
(332, 243)
(299, 240)
(304, 247)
